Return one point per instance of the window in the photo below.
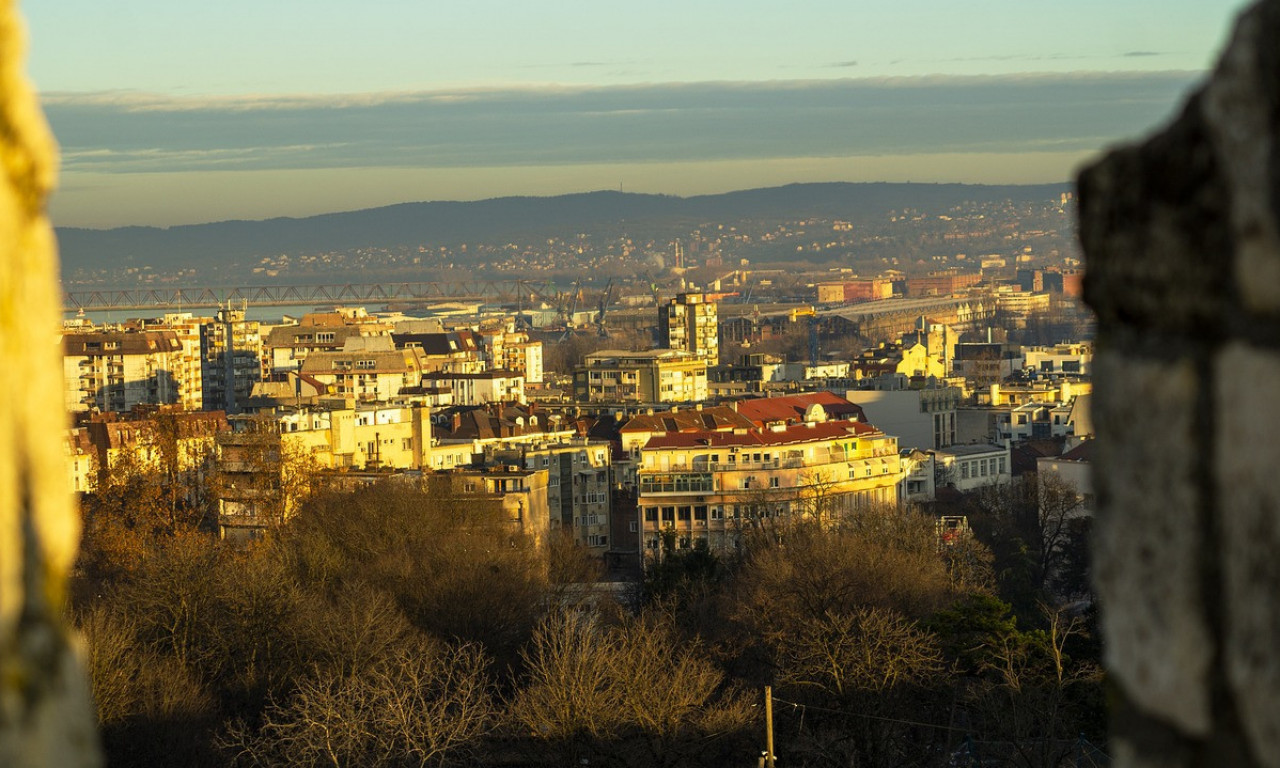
(635, 526)
(597, 540)
(964, 470)
(651, 514)
(773, 482)
(700, 512)
(668, 514)
(717, 513)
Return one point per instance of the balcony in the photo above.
(755, 466)
(676, 483)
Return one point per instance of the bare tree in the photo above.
(130, 679)
(868, 649)
(633, 693)
(422, 705)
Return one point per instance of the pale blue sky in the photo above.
(174, 111)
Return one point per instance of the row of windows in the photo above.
(671, 514)
(982, 468)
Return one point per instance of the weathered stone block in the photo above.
(1153, 224)
(1148, 536)
(1248, 504)
(1241, 106)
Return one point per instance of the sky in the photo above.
(172, 112)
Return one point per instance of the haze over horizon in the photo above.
(197, 113)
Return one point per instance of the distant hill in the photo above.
(506, 218)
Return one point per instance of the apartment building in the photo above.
(495, 386)
(653, 376)
(232, 353)
(920, 418)
(119, 370)
(578, 485)
(970, 467)
(358, 436)
(523, 357)
(289, 345)
(713, 488)
(1072, 359)
(367, 368)
(520, 494)
(689, 322)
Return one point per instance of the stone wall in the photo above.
(1181, 238)
(46, 718)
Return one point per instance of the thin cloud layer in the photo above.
(124, 132)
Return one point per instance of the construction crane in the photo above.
(606, 299)
(573, 309)
(813, 330)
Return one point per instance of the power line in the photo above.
(872, 717)
(1083, 744)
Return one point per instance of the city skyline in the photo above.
(202, 113)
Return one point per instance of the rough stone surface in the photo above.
(1248, 481)
(1242, 104)
(1182, 240)
(46, 718)
(1153, 226)
(1148, 537)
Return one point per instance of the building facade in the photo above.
(713, 489)
(118, 370)
(689, 322)
(232, 353)
(654, 376)
(579, 476)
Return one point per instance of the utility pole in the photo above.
(768, 727)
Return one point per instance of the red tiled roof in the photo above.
(720, 417)
(792, 407)
(798, 433)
